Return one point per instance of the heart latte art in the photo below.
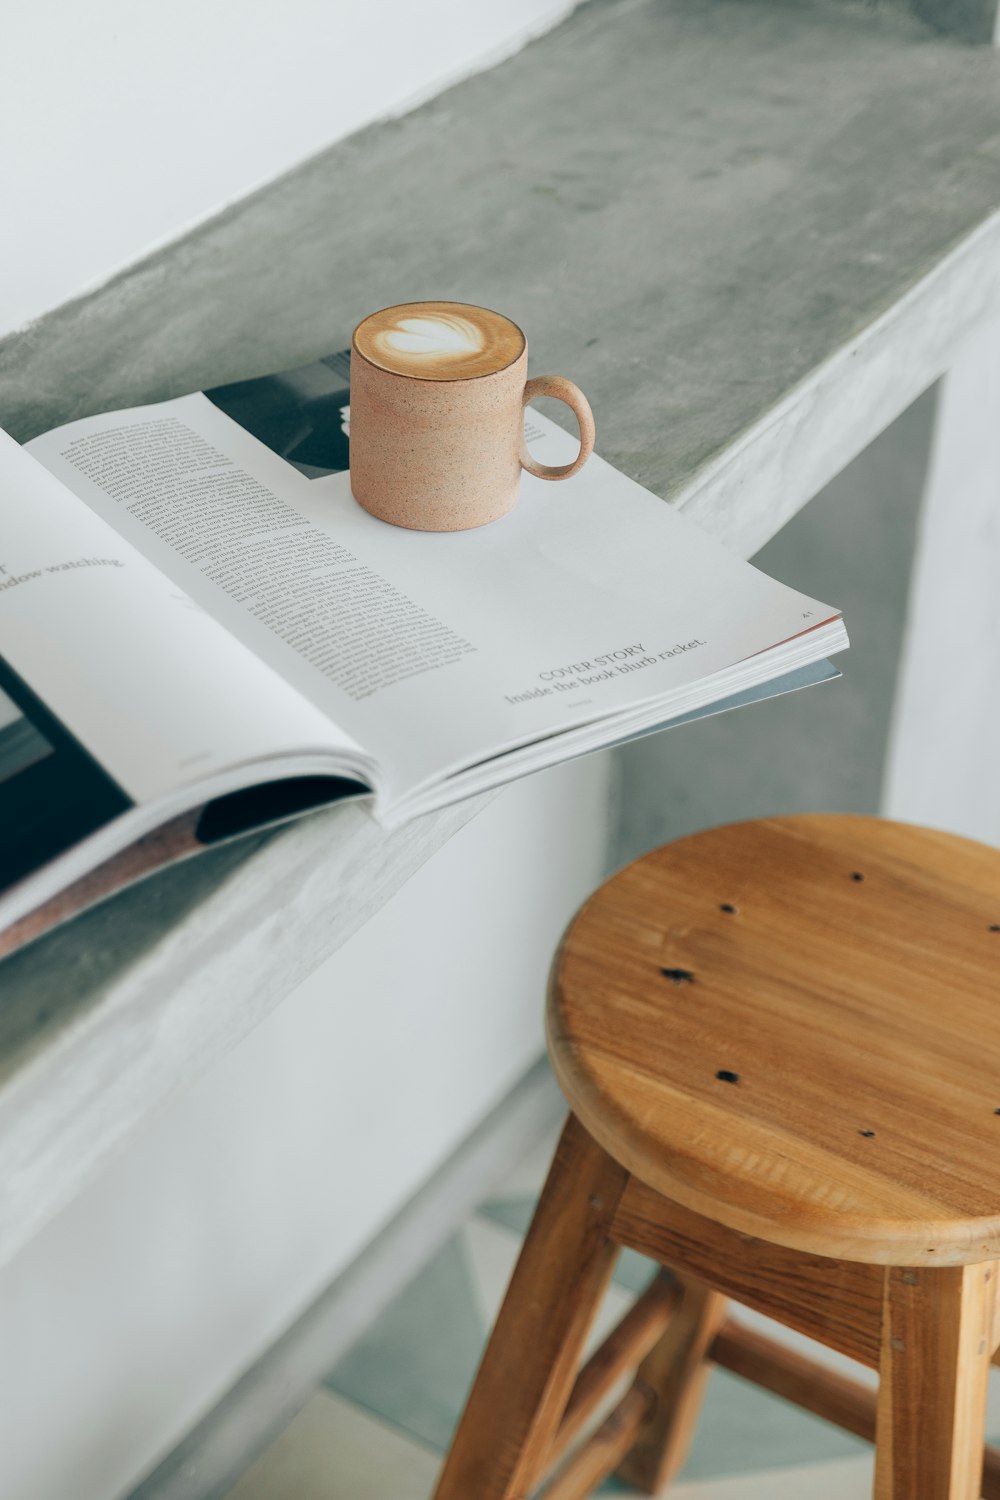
(442, 337)
(439, 340)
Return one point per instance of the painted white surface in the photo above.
(122, 125)
(945, 748)
(136, 1308)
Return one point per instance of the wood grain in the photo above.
(929, 1331)
(790, 1027)
(520, 1393)
(623, 1349)
(935, 1363)
(603, 1451)
(837, 1302)
(676, 1372)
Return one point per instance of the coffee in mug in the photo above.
(438, 391)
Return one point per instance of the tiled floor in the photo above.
(378, 1428)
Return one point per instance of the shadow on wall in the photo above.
(821, 750)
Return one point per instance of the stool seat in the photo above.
(780, 1043)
(792, 1027)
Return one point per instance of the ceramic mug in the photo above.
(438, 391)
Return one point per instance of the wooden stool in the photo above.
(780, 1042)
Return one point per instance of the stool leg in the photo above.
(527, 1372)
(937, 1339)
(676, 1370)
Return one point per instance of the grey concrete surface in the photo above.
(973, 20)
(687, 204)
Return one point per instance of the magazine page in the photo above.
(716, 695)
(433, 650)
(150, 685)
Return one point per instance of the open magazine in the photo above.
(202, 632)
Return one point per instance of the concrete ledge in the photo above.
(752, 231)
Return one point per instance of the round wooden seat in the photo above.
(792, 1027)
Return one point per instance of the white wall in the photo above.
(122, 124)
(945, 746)
(135, 1310)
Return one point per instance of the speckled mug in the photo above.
(437, 443)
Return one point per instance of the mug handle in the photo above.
(563, 390)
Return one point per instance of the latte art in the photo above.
(439, 340)
(445, 337)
